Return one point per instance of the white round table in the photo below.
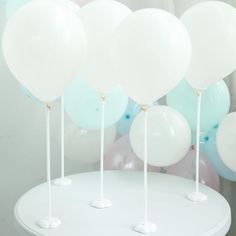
(169, 208)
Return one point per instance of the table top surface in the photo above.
(169, 208)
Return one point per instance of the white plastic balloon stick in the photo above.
(146, 226)
(62, 181)
(145, 171)
(102, 202)
(197, 196)
(49, 222)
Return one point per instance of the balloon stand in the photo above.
(62, 181)
(148, 52)
(48, 222)
(102, 202)
(197, 196)
(146, 226)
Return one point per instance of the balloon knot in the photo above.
(144, 107)
(103, 96)
(198, 92)
(48, 106)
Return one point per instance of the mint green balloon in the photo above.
(214, 106)
(14, 5)
(83, 105)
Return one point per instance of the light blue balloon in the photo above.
(126, 120)
(215, 104)
(83, 105)
(211, 153)
(13, 5)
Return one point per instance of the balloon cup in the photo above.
(145, 228)
(197, 197)
(49, 223)
(101, 203)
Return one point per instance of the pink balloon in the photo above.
(186, 169)
(122, 157)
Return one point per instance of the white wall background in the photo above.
(22, 133)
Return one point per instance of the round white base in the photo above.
(145, 228)
(197, 197)
(49, 223)
(62, 182)
(168, 207)
(101, 204)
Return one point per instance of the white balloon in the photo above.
(169, 136)
(151, 51)
(100, 18)
(226, 141)
(84, 145)
(212, 28)
(44, 43)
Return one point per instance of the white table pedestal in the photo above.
(169, 207)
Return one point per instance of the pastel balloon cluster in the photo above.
(213, 58)
(103, 52)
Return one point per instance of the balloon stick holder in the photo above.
(146, 226)
(62, 181)
(102, 202)
(197, 196)
(48, 222)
